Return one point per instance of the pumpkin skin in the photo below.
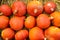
(19, 8)
(56, 18)
(16, 23)
(36, 34)
(5, 10)
(52, 33)
(30, 22)
(21, 35)
(4, 21)
(34, 8)
(43, 21)
(49, 7)
(7, 33)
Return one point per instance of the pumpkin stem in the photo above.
(35, 11)
(1, 14)
(45, 38)
(15, 12)
(52, 9)
(51, 17)
(6, 39)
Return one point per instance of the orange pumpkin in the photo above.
(49, 7)
(43, 21)
(34, 8)
(4, 21)
(36, 34)
(52, 33)
(56, 18)
(7, 34)
(21, 35)
(19, 8)
(5, 10)
(30, 22)
(16, 23)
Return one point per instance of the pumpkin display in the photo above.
(29, 19)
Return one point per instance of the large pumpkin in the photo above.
(52, 33)
(19, 8)
(56, 18)
(43, 21)
(16, 23)
(36, 34)
(34, 8)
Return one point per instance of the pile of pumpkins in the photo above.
(36, 26)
